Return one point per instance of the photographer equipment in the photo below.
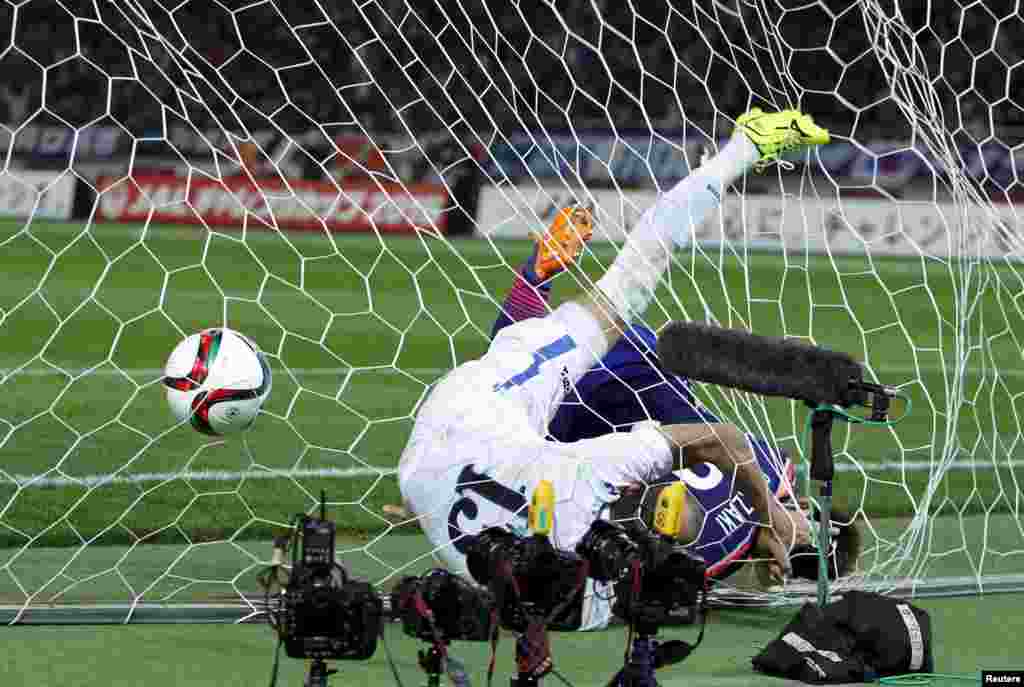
(764, 365)
(531, 581)
(656, 575)
(439, 607)
(440, 604)
(860, 638)
(826, 381)
(319, 612)
(529, 577)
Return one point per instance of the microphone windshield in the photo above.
(769, 366)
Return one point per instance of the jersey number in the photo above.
(541, 355)
(701, 477)
(486, 488)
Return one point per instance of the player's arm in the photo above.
(727, 448)
(527, 298)
(555, 250)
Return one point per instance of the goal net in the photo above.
(300, 172)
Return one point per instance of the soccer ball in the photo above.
(217, 381)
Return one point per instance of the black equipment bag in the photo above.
(857, 639)
(892, 636)
(813, 650)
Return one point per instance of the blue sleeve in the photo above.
(637, 393)
(671, 403)
(504, 319)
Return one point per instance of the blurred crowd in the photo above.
(479, 66)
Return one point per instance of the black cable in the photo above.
(495, 631)
(277, 662)
(581, 581)
(273, 618)
(675, 651)
(391, 659)
(565, 681)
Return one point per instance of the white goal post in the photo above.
(349, 185)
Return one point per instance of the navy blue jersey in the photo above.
(730, 527)
(629, 386)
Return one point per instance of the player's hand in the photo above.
(787, 529)
(395, 513)
(562, 243)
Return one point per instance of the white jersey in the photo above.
(478, 451)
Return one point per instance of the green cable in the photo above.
(909, 679)
(859, 420)
(826, 502)
(914, 679)
(851, 418)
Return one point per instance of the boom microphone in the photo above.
(770, 366)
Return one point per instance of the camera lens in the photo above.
(486, 551)
(608, 550)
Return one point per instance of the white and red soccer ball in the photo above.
(217, 380)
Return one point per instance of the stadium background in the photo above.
(103, 273)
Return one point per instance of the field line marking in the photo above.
(41, 481)
(106, 371)
(158, 371)
(88, 481)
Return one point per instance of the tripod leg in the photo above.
(824, 542)
(823, 469)
(317, 676)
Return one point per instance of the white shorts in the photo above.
(478, 447)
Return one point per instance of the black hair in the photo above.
(846, 548)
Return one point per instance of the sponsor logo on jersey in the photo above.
(733, 515)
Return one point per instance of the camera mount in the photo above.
(317, 610)
(318, 673)
(532, 582)
(655, 575)
(878, 399)
(432, 662)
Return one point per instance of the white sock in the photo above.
(669, 224)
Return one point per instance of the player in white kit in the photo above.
(478, 447)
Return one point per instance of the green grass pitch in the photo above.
(357, 327)
(969, 634)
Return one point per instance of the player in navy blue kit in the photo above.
(630, 386)
(479, 444)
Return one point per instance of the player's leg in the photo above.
(532, 363)
(626, 289)
(580, 332)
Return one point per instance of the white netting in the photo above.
(399, 108)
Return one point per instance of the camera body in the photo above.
(459, 610)
(672, 577)
(323, 614)
(544, 577)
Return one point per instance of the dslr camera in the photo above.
(319, 612)
(672, 578)
(545, 578)
(441, 607)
